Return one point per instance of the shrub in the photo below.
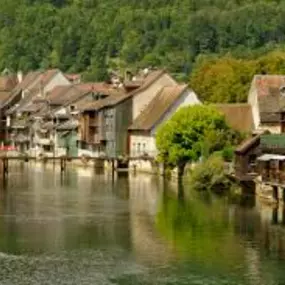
(210, 175)
(228, 153)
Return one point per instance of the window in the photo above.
(139, 148)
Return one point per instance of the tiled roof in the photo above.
(27, 80)
(68, 125)
(269, 97)
(148, 79)
(246, 145)
(44, 79)
(65, 96)
(8, 82)
(72, 77)
(57, 92)
(155, 110)
(4, 96)
(238, 116)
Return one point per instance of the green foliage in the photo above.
(210, 175)
(193, 132)
(227, 79)
(228, 153)
(80, 35)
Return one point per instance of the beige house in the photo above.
(152, 82)
(27, 98)
(266, 99)
(165, 103)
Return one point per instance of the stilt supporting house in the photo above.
(5, 166)
(272, 172)
(62, 164)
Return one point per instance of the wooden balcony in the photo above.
(94, 122)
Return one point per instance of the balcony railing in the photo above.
(276, 177)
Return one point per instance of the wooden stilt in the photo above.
(275, 216)
(62, 165)
(275, 193)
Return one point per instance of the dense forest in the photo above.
(90, 36)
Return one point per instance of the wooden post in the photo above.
(275, 193)
(113, 166)
(5, 166)
(62, 164)
(275, 216)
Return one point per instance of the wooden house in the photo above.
(245, 158)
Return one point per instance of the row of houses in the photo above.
(52, 113)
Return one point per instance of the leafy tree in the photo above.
(162, 33)
(193, 132)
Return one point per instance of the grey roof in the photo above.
(68, 125)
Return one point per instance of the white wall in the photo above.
(253, 101)
(141, 144)
(147, 141)
(142, 99)
(274, 129)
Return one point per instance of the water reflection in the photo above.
(87, 227)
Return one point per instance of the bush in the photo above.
(228, 153)
(210, 175)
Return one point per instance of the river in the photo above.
(87, 228)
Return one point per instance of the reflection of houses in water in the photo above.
(262, 234)
(144, 199)
(262, 227)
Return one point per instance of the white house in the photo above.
(166, 102)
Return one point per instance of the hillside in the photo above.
(91, 35)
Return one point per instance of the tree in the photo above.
(223, 79)
(192, 133)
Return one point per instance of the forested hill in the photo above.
(91, 35)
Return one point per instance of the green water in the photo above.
(86, 228)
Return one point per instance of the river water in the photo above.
(87, 228)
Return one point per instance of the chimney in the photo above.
(128, 76)
(20, 76)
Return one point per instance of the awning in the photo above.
(268, 157)
(63, 134)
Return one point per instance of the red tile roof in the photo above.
(263, 83)
(270, 101)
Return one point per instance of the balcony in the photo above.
(43, 141)
(93, 122)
